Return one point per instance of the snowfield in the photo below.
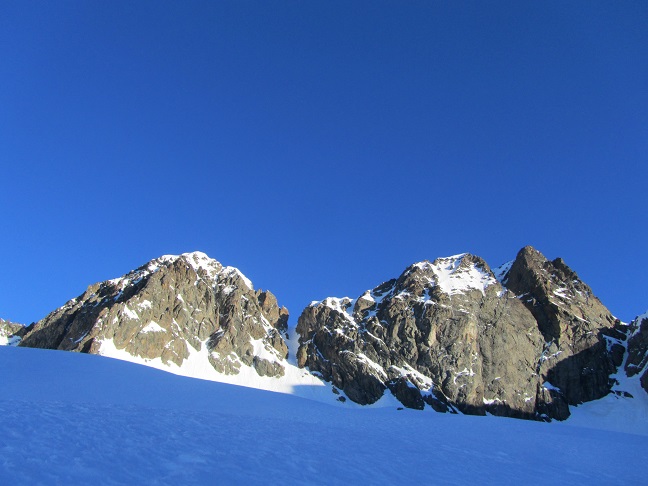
(71, 418)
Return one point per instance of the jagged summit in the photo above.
(177, 311)
(203, 265)
(457, 274)
(526, 340)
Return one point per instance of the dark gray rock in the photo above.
(637, 362)
(407, 393)
(169, 308)
(573, 322)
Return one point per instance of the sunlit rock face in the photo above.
(525, 340)
(168, 309)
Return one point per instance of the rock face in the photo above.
(527, 339)
(171, 308)
(524, 341)
(582, 339)
(637, 362)
(10, 333)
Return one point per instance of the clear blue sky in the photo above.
(321, 147)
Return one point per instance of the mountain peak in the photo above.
(176, 311)
(448, 335)
(200, 261)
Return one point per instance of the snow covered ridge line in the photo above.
(459, 273)
(453, 275)
(197, 260)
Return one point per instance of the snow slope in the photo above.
(71, 418)
(8, 341)
(296, 381)
(615, 411)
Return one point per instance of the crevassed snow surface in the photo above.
(71, 418)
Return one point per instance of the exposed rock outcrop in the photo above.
(576, 326)
(11, 333)
(170, 308)
(527, 339)
(449, 334)
(637, 362)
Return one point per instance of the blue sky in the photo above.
(321, 147)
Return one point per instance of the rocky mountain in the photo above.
(527, 339)
(637, 362)
(10, 333)
(524, 340)
(177, 310)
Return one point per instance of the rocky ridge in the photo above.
(526, 340)
(170, 309)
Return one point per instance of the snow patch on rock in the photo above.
(153, 327)
(502, 271)
(342, 305)
(454, 278)
(230, 271)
